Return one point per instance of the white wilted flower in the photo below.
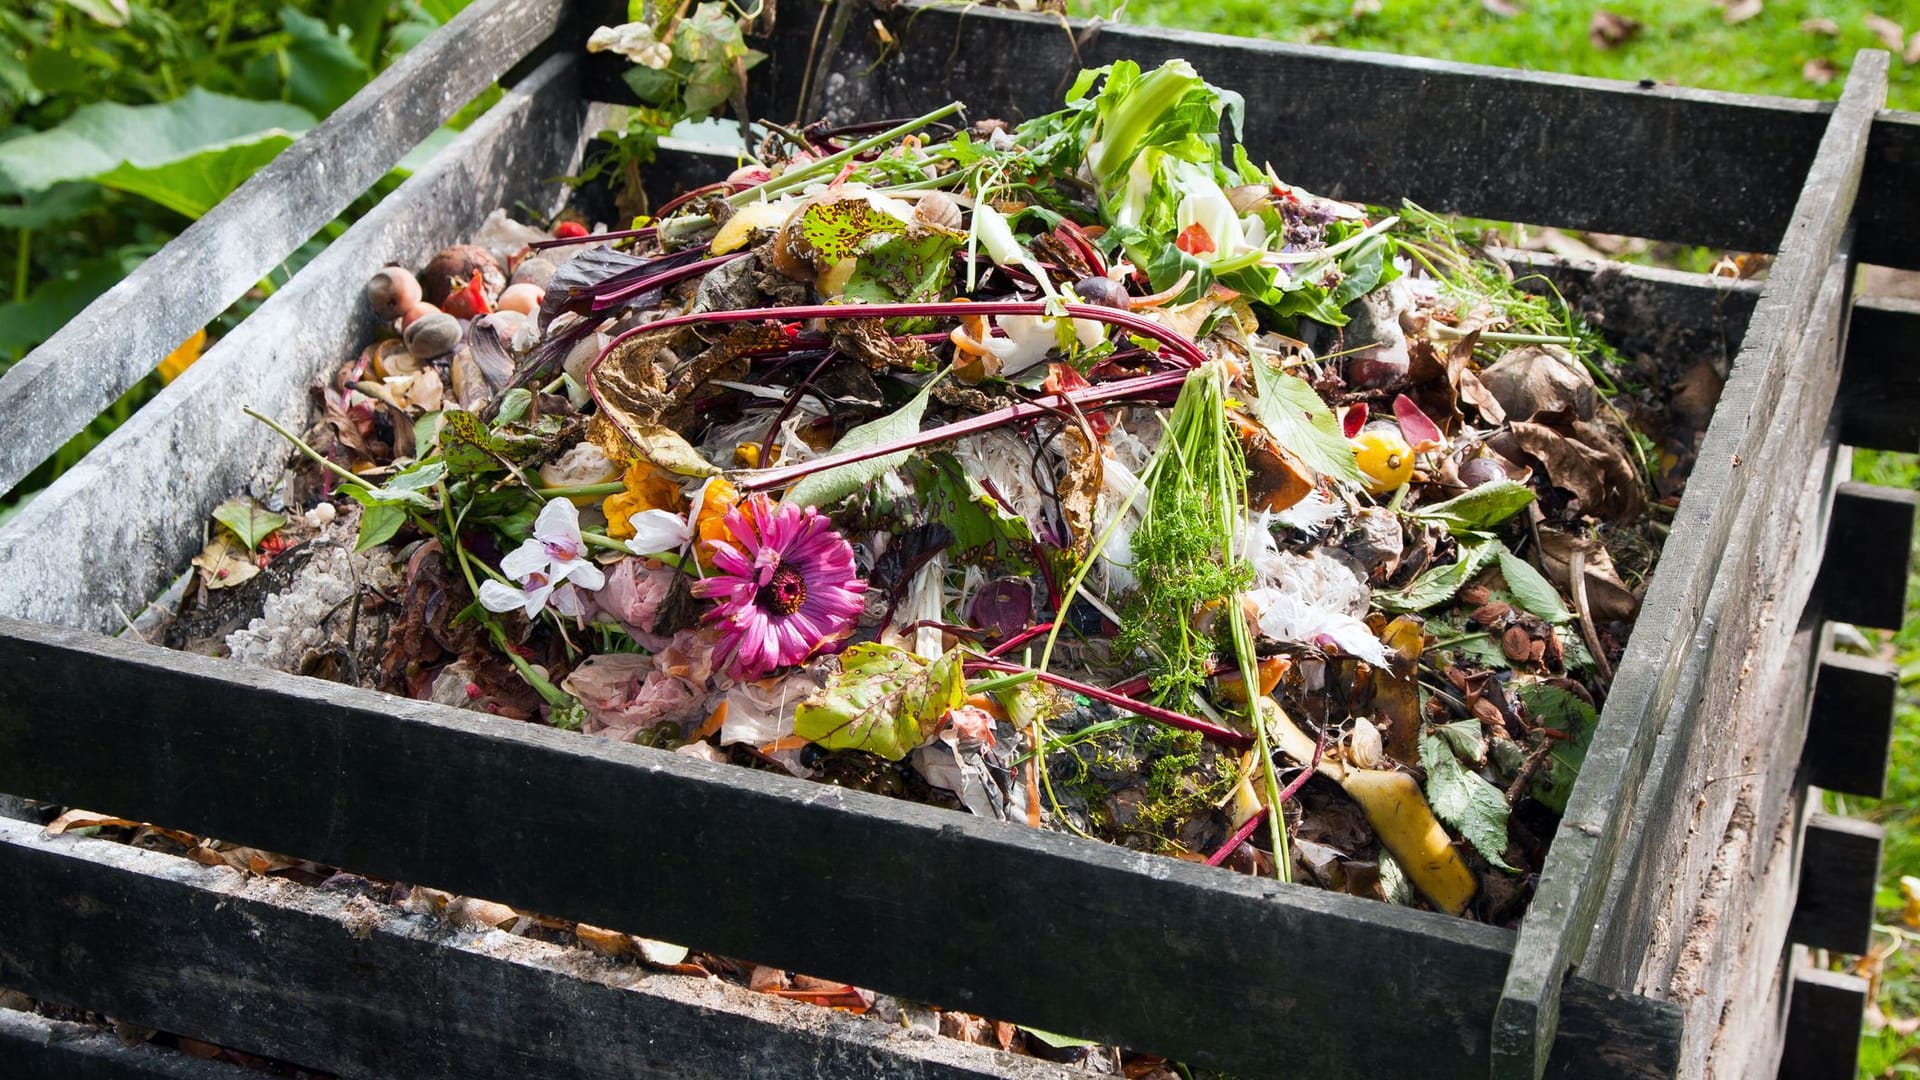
(635, 41)
(548, 566)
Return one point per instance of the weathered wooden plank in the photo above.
(1558, 927)
(1823, 1026)
(1863, 578)
(36, 1048)
(62, 385)
(1879, 402)
(1665, 162)
(1839, 869)
(141, 498)
(1850, 730)
(332, 982)
(1036, 927)
(1693, 888)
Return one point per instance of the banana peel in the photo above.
(1399, 814)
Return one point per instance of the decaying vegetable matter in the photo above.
(1081, 475)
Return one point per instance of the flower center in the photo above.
(785, 592)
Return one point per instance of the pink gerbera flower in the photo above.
(787, 589)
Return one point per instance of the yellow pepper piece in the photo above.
(1406, 825)
(1385, 459)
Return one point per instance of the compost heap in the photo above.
(991, 468)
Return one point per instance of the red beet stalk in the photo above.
(1224, 736)
(1239, 837)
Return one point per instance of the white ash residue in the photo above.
(315, 611)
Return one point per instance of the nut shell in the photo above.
(533, 270)
(432, 335)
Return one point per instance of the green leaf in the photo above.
(1439, 583)
(317, 68)
(1530, 590)
(249, 522)
(1482, 508)
(840, 228)
(53, 302)
(1465, 738)
(984, 532)
(105, 12)
(884, 700)
(1297, 419)
(56, 205)
(101, 137)
(913, 267)
(1058, 1042)
(1550, 706)
(195, 184)
(1465, 800)
(465, 443)
(513, 405)
(418, 478)
(378, 523)
(831, 485)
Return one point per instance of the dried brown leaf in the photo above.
(1505, 9)
(1890, 33)
(1608, 598)
(1826, 27)
(1819, 71)
(1610, 28)
(1079, 488)
(224, 562)
(1741, 10)
(1912, 55)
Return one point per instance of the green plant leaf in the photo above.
(1530, 590)
(53, 302)
(984, 532)
(315, 68)
(249, 522)
(831, 485)
(1439, 583)
(99, 138)
(840, 228)
(1465, 800)
(195, 184)
(54, 206)
(1563, 710)
(884, 700)
(1297, 419)
(378, 523)
(1465, 737)
(1482, 508)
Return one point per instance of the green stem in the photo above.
(22, 265)
(1278, 258)
(301, 445)
(1001, 682)
(800, 177)
(551, 694)
(611, 487)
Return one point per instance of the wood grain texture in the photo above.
(1679, 317)
(1693, 166)
(1035, 927)
(1879, 402)
(1661, 660)
(1863, 578)
(1839, 870)
(61, 386)
(36, 1048)
(341, 984)
(1850, 729)
(141, 498)
(1823, 1026)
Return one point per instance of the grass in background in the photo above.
(1791, 48)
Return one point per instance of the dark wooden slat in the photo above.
(1889, 214)
(1823, 1026)
(1880, 391)
(1518, 146)
(1839, 869)
(1561, 921)
(1863, 579)
(62, 385)
(355, 988)
(141, 498)
(1671, 314)
(36, 1048)
(1036, 927)
(1850, 731)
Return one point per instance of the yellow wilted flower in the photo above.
(648, 488)
(183, 357)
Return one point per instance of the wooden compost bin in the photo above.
(1670, 919)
